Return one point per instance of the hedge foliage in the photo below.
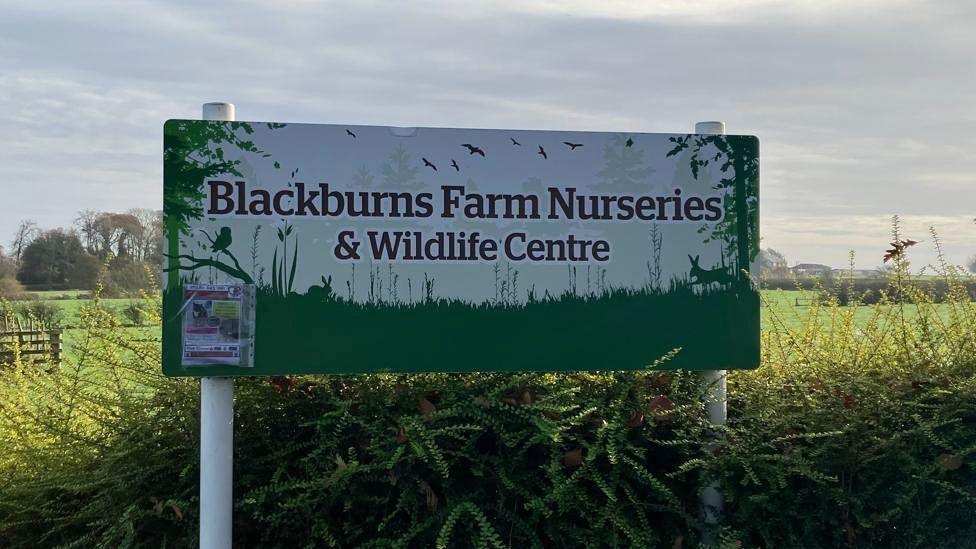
(849, 435)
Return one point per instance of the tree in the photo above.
(8, 267)
(27, 231)
(148, 246)
(971, 264)
(624, 169)
(9, 287)
(772, 262)
(117, 234)
(85, 223)
(57, 257)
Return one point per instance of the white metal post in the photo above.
(216, 432)
(716, 401)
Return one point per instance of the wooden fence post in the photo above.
(55, 343)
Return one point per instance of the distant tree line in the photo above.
(122, 250)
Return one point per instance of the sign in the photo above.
(377, 249)
(217, 323)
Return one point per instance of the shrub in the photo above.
(127, 279)
(10, 288)
(46, 314)
(134, 314)
(859, 432)
(862, 291)
(853, 433)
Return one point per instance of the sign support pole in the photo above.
(216, 432)
(716, 403)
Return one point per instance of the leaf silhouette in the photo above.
(294, 263)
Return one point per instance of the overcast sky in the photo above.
(864, 109)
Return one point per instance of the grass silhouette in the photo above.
(617, 329)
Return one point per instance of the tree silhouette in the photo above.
(738, 159)
(363, 178)
(624, 168)
(399, 171)
(193, 150)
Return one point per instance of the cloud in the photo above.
(861, 107)
(828, 239)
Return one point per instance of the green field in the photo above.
(70, 302)
(791, 308)
(71, 308)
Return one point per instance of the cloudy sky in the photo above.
(864, 108)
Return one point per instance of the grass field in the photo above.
(790, 307)
(71, 308)
(70, 302)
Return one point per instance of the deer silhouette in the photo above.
(719, 275)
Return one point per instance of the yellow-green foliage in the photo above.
(855, 432)
(860, 428)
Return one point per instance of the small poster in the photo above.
(217, 325)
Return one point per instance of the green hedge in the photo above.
(852, 433)
(870, 291)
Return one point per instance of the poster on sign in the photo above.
(217, 320)
(378, 249)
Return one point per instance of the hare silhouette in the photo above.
(704, 277)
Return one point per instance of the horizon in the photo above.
(860, 107)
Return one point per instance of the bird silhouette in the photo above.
(572, 146)
(630, 142)
(428, 163)
(543, 153)
(222, 242)
(514, 142)
(472, 149)
(455, 166)
(348, 132)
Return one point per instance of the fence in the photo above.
(32, 341)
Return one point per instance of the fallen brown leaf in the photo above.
(573, 458)
(426, 407)
(949, 462)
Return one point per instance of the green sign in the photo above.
(298, 249)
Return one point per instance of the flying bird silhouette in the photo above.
(455, 166)
(543, 153)
(572, 146)
(630, 142)
(427, 163)
(472, 149)
(348, 132)
(514, 142)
